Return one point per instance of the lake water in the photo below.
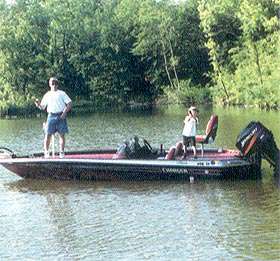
(206, 220)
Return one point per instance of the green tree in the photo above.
(222, 28)
(23, 47)
(192, 53)
(156, 39)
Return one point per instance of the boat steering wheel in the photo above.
(147, 145)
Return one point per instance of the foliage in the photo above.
(245, 66)
(117, 52)
(188, 94)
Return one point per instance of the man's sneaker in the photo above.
(61, 155)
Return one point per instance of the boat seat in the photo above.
(210, 133)
(175, 151)
(171, 153)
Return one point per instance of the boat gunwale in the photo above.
(197, 163)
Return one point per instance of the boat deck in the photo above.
(217, 155)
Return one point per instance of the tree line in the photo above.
(117, 52)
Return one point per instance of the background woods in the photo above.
(117, 52)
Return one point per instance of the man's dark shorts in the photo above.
(55, 124)
(189, 141)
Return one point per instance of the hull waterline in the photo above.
(128, 169)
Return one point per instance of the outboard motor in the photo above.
(256, 141)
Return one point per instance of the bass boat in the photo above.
(131, 161)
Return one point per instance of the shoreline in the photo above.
(88, 107)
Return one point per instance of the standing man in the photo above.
(58, 104)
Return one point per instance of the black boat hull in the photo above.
(109, 170)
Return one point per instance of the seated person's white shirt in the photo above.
(190, 128)
(55, 101)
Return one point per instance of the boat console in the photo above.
(133, 150)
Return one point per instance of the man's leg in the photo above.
(61, 144)
(62, 129)
(47, 141)
(49, 129)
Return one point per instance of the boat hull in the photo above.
(108, 169)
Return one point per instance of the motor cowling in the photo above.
(257, 139)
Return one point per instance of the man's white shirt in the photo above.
(55, 101)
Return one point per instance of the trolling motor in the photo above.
(256, 142)
(6, 153)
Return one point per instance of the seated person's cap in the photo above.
(193, 108)
(54, 79)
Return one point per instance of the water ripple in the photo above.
(51, 220)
